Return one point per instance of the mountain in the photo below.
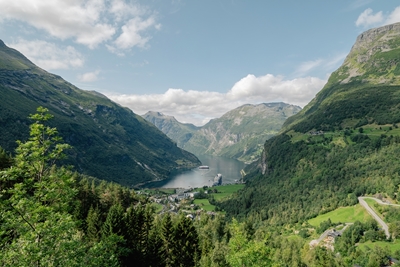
(345, 143)
(239, 134)
(179, 132)
(109, 142)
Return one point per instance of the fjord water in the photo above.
(229, 168)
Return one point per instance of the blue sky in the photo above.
(194, 60)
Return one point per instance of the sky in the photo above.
(194, 60)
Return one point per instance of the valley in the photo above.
(71, 163)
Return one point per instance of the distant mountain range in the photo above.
(345, 143)
(239, 134)
(109, 141)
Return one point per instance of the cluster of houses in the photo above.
(181, 194)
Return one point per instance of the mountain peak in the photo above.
(373, 58)
(11, 59)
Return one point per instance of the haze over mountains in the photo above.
(109, 142)
(239, 134)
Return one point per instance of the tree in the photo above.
(93, 224)
(243, 252)
(168, 250)
(36, 227)
(187, 240)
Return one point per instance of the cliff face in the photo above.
(371, 67)
(374, 57)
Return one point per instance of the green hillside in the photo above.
(239, 134)
(109, 142)
(343, 144)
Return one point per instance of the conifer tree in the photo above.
(93, 223)
(187, 241)
(168, 249)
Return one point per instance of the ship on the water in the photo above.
(204, 167)
(217, 180)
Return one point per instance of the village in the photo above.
(191, 201)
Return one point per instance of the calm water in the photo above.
(229, 168)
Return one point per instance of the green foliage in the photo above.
(108, 141)
(243, 252)
(307, 178)
(37, 229)
(238, 134)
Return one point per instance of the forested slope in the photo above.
(109, 142)
(343, 144)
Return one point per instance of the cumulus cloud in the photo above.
(89, 76)
(394, 16)
(87, 22)
(49, 56)
(198, 107)
(367, 18)
(131, 33)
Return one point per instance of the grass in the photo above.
(343, 214)
(158, 207)
(204, 204)
(393, 246)
(225, 191)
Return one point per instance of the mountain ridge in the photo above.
(109, 141)
(239, 133)
(342, 145)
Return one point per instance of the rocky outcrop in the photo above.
(367, 60)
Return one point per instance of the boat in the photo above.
(204, 167)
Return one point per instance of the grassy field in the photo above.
(158, 207)
(204, 204)
(226, 190)
(343, 214)
(393, 246)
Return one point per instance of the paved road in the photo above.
(324, 234)
(374, 215)
(381, 202)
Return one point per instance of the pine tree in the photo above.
(187, 241)
(115, 223)
(168, 249)
(93, 224)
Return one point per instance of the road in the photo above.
(374, 215)
(324, 234)
(370, 211)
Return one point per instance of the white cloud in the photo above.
(326, 65)
(131, 33)
(367, 18)
(87, 22)
(198, 107)
(89, 76)
(305, 67)
(49, 56)
(394, 16)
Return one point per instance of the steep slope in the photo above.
(363, 88)
(239, 134)
(109, 142)
(179, 132)
(343, 144)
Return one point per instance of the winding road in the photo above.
(370, 211)
(373, 213)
